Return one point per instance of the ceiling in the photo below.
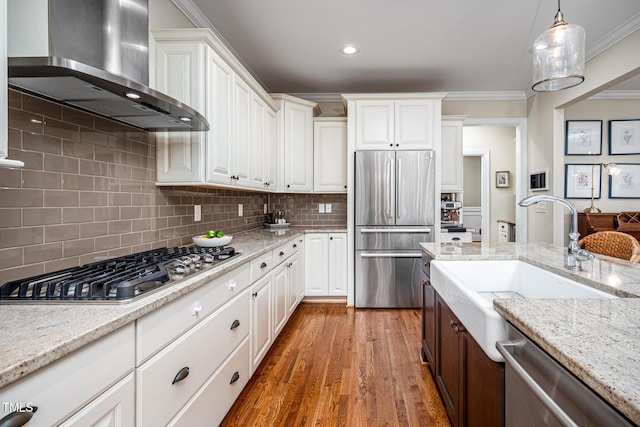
(294, 46)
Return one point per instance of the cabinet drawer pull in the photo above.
(295, 246)
(182, 374)
(235, 377)
(263, 265)
(235, 324)
(255, 294)
(17, 419)
(281, 253)
(455, 239)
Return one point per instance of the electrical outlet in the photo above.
(320, 207)
(327, 208)
(197, 213)
(240, 210)
(541, 207)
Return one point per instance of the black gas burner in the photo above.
(118, 279)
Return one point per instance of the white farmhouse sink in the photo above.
(469, 288)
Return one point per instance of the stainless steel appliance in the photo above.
(120, 279)
(540, 392)
(394, 211)
(92, 55)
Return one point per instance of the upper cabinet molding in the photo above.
(208, 36)
(436, 96)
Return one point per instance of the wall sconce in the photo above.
(613, 170)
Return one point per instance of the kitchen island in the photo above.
(596, 340)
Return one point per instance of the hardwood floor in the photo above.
(338, 366)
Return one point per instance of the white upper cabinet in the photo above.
(452, 173)
(330, 155)
(374, 125)
(180, 73)
(220, 107)
(192, 66)
(242, 134)
(295, 144)
(395, 121)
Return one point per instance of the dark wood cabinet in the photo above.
(471, 385)
(593, 222)
(428, 317)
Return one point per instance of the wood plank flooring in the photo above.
(338, 366)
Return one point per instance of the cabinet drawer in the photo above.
(60, 389)
(261, 266)
(215, 398)
(283, 252)
(161, 326)
(456, 237)
(115, 407)
(159, 394)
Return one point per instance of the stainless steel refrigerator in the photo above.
(394, 211)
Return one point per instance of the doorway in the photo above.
(477, 203)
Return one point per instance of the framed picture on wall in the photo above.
(578, 180)
(583, 138)
(624, 136)
(502, 179)
(625, 185)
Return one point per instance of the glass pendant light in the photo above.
(558, 56)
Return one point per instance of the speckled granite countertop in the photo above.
(35, 335)
(597, 340)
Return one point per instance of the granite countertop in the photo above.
(598, 340)
(47, 332)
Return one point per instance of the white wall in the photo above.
(472, 167)
(164, 14)
(501, 144)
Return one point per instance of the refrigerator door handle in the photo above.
(389, 206)
(390, 255)
(399, 192)
(395, 230)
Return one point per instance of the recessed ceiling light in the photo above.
(350, 49)
(132, 95)
(185, 119)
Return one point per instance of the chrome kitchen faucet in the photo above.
(575, 255)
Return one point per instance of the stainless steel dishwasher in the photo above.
(540, 392)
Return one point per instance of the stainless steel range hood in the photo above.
(92, 55)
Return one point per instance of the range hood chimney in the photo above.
(92, 55)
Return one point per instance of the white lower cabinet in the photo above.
(113, 408)
(79, 386)
(212, 402)
(325, 268)
(280, 300)
(261, 315)
(168, 380)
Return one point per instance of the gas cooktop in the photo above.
(121, 279)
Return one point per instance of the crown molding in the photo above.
(621, 32)
(319, 97)
(617, 95)
(486, 96)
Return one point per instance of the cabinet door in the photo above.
(114, 407)
(220, 107)
(261, 318)
(337, 264)
(448, 375)
(298, 147)
(257, 147)
(180, 74)
(330, 157)
(280, 300)
(270, 149)
(414, 121)
(451, 166)
(316, 264)
(374, 125)
(241, 133)
(428, 323)
(483, 386)
(294, 282)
